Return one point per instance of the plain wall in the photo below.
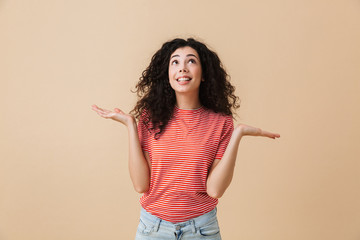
(296, 67)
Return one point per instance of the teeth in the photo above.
(183, 79)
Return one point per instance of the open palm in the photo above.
(253, 131)
(116, 115)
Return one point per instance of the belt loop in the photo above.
(193, 227)
(157, 225)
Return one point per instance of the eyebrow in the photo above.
(189, 55)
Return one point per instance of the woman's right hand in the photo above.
(116, 115)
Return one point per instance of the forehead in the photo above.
(184, 51)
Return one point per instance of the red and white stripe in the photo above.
(181, 159)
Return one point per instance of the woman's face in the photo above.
(185, 72)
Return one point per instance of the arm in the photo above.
(221, 172)
(138, 164)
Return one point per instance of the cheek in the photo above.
(172, 84)
(198, 72)
(171, 74)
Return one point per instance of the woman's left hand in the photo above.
(246, 130)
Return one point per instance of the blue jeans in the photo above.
(202, 227)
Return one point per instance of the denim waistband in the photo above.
(194, 222)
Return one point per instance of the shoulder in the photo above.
(218, 116)
(144, 120)
(144, 116)
(219, 121)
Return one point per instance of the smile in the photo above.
(183, 79)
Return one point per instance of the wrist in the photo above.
(131, 124)
(238, 132)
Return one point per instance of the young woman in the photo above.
(183, 148)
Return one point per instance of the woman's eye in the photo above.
(192, 61)
(174, 62)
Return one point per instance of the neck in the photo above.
(186, 102)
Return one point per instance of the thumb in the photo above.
(117, 110)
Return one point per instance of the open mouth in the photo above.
(183, 79)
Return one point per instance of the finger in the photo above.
(270, 135)
(103, 113)
(97, 109)
(117, 110)
(94, 107)
(100, 110)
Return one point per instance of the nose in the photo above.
(183, 69)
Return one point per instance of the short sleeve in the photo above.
(143, 132)
(226, 133)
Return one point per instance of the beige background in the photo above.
(63, 169)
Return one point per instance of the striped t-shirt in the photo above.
(180, 161)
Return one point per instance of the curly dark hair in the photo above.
(157, 98)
